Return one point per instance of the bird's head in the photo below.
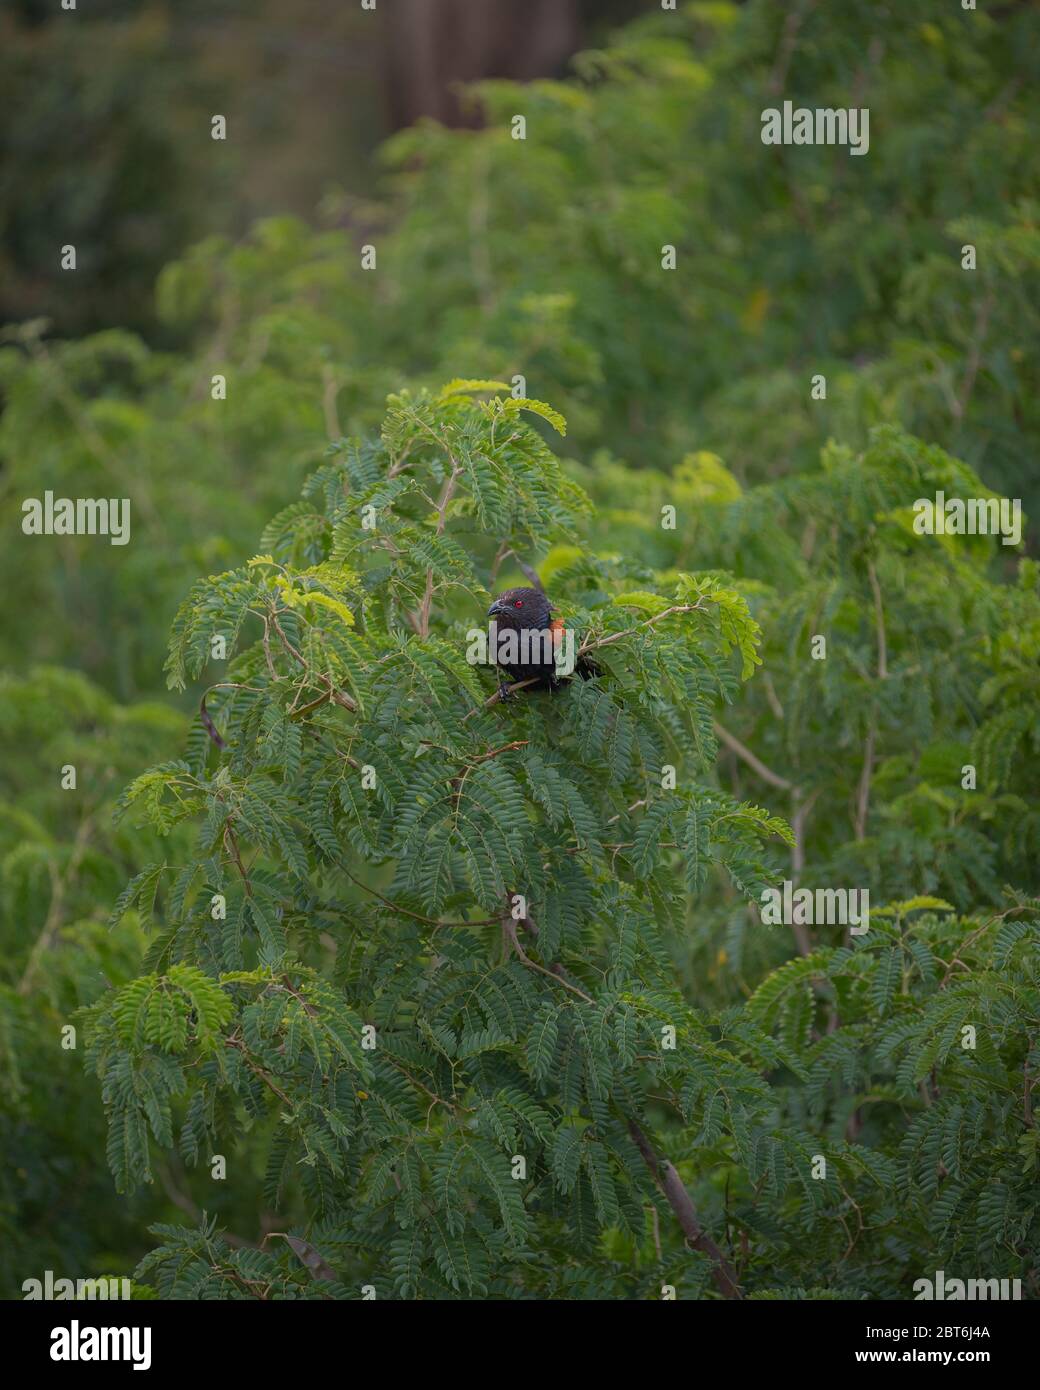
(521, 608)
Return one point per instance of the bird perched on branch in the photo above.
(529, 644)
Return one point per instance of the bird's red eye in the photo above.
(519, 603)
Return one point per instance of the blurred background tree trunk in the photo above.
(433, 45)
(107, 145)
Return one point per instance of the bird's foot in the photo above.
(505, 691)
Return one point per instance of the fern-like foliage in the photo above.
(427, 939)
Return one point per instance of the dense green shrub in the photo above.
(61, 861)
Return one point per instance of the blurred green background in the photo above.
(106, 131)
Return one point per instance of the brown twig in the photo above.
(879, 621)
(55, 911)
(257, 1070)
(974, 936)
(231, 845)
(662, 1171)
(863, 790)
(785, 51)
(182, 1201)
(803, 939)
(509, 925)
(209, 725)
(406, 912)
(334, 693)
(756, 764)
(649, 622)
(971, 371)
(500, 694)
(330, 391)
(677, 1197)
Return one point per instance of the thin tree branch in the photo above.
(971, 371)
(56, 908)
(510, 926)
(662, 1171)
(404, 911)
(756, 764)
(879, 619)
(257, 1070)
(677, 1197)
(863, 790)
(657, 618)
(209, 725)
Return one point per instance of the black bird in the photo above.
(529, 641)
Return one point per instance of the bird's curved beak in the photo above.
(496, 607)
